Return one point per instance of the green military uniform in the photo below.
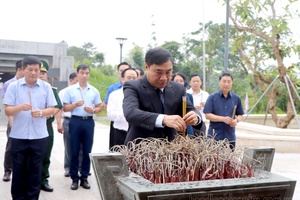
(46, 161)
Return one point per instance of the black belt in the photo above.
(67, 117)
(83, 117)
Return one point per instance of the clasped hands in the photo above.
(86, 108)
(27, 107)
(179, 123)
(230, 121)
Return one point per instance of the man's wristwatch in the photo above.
(41, 113)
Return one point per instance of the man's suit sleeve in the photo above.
(136, 106)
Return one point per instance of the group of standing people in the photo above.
(31, 104)
(152, 105)
(139, 105)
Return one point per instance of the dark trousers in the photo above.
(81, 133)
(7, 155)
(119, 136)
(27, 156)
(67, 157)
(46, 161)
(111, 134)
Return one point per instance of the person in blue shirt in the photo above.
(121, 67)
(224, 110)
(7, 164)
(82, 100)
(29, 100)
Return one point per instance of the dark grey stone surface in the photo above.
(109, 166)
(264, 155)
(267, 186)
(115, 183)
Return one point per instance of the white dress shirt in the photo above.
(115, 109)
(198, 98)
(61, 96)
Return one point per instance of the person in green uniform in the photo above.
(46, 162)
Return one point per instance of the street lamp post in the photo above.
(121, 42)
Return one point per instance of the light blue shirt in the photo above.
(90, 95)
(5, 85)
(40, 96)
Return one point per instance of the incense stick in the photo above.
(30, 101)
(184, 111)
(233, 113)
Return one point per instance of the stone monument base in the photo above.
(116, 183)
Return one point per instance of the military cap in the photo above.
(44, 66)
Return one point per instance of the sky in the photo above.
(101, 21)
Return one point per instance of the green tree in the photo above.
(175, 49)
(271, 40)
(86, 54)
(214, 41)
(99, 59)
(136, 56)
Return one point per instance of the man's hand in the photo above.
(89, 109)
(227, 120)
(79, 103)
(60, 128)
(174, 121)
(191, 118)
(25, 107)
(234, 123)
(36, 113)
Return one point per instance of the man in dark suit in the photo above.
(153, 105)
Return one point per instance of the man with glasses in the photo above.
(153, 105)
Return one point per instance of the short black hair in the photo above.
(158, 56)
(83, 67)
(124, 63)
(125, 70)
(30, 60)
(72, 76)
(18, 65)
(141, 70)
(182, 76)
(193, 75)
(225, 74)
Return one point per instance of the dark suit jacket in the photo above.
(141, 106)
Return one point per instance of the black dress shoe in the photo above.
(46, 187)
(85, 184)
(74, 185)
(6, 176)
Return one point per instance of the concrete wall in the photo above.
(267, 120)
(60, 64)
(54, 53)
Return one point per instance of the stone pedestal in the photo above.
(264, 155)
(115, 183)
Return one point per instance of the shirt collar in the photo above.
(23, 82)
(78, 86)
(221, 94)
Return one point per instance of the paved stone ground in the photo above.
(285, 164)
(57, 180)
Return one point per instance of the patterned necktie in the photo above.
(161, 97)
